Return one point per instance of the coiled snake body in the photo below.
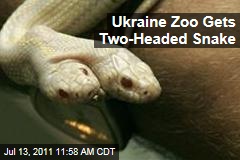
(37, 48)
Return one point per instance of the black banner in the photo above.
(171, 30)
(58, 152)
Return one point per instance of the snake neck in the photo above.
(70, 17)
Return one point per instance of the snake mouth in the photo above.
(144, 95)
(94, 94)
(66, 97)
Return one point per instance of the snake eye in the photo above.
(126, 83)
(63, 93)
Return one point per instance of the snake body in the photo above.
(38, 47)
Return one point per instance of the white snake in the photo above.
(37, 48)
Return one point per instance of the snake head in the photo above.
(129, 79)
(138, 84)
(69, 81)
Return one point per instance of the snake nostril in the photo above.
(145, 92)
(126, 82)
(84, 71)
(63, 93)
